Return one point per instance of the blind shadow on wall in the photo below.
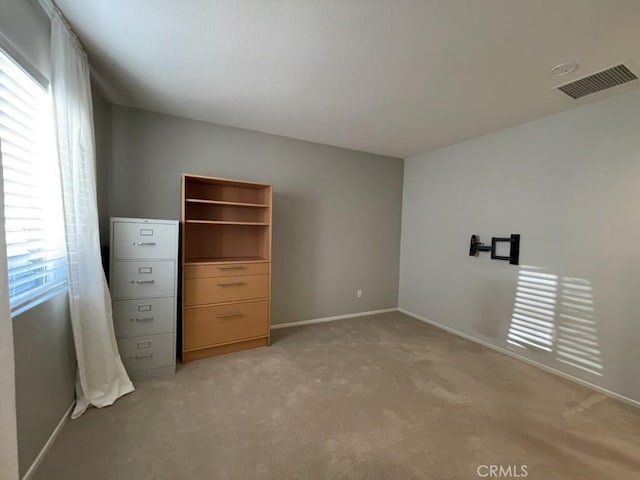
(556, 314)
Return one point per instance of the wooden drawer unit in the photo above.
(205, 326)
(225, 270)
(136, 241)
(146, 352)
(226, 274)
(143, 316)
(136, 279)
(205, 291)
(143, 283)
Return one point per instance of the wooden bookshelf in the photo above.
(226, 274)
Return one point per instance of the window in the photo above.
(32, 199)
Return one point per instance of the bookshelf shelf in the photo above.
(220, 222)
(220, 202)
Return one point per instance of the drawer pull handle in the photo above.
(227, 315)
(145, 319)
(234, 284)
(232, 267)
(140, 357)
(141, 282)
(146, 244)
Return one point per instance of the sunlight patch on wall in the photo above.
(532, 322)
(577, 338)
(556, 314)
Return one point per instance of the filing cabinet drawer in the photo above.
(142, 279)
(205, 326)
(203, 291)
(144, 352)
(143, 316)
(133, 241)
(225, 270)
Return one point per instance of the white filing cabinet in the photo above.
(143, 272)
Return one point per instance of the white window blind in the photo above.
(32, 199)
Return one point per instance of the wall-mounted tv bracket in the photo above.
(514, 248)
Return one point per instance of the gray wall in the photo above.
(336, 211)
(45, 374)
(102, 134)
(43, 347)
(570, 185)
(26, 26)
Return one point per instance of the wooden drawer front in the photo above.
(143, 317)
(225, 270)
(133, 241)
(203, 291)
(149, 351)
(142, 279)
(205, 326)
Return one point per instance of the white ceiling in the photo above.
(395, 77)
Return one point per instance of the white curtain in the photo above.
(8, 435)
(102, 378)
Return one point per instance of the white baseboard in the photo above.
(36, 463)
(542, 366)
(331, 319)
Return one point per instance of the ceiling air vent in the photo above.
(611, 77)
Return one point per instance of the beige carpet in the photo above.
(381, 397)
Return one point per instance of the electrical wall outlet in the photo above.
(358, 293)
